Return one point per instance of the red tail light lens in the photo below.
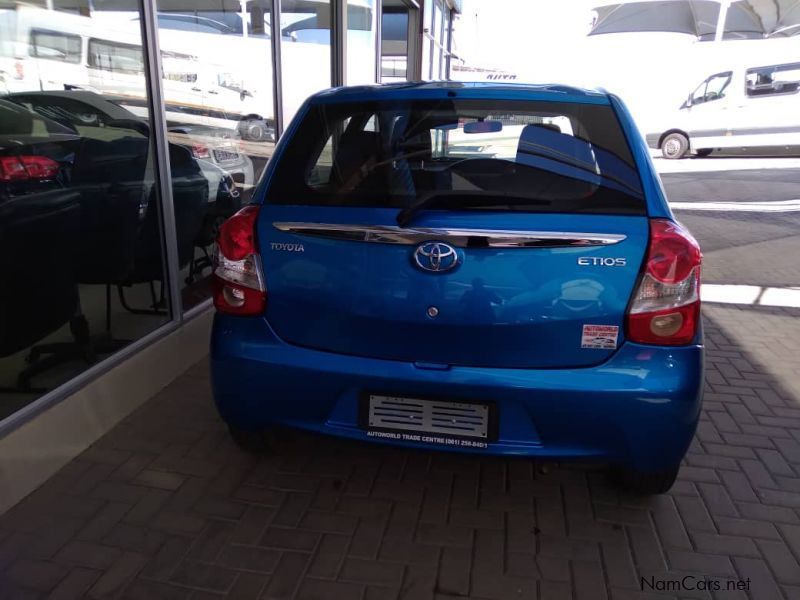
(27, 168)
(201, 151)
(673, 252)
(238, 282)
(666, 306)
(237, 235)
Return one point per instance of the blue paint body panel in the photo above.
(348, 318)
(639, 408)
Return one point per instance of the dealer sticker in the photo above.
(601, 337)
(428, 439)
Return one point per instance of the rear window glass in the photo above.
(465, 154)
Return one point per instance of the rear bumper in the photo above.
(639, 408)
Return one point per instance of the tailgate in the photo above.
(522, 290)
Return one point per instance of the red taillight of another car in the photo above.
(238, 282)
(666, 306)
(201, 151)
(27, 168)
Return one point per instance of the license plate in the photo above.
(436, 419)
(225, 155)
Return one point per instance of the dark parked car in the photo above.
(36, 153)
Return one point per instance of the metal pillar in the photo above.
(163, 173)
(277, 73)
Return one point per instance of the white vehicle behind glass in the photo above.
(48, 50)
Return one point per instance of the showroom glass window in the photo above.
(220, 114)
(305, 51)
(427, 39)
(436, 34)
(361, 53)
(394, 44)
(80, 235)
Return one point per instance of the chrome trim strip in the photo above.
(463, 238)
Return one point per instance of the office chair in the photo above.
(40, 293)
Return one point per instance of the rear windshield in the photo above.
(460, 154)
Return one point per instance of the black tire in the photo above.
(645, 483)
(253, 442)
(255, 130)
(703, 152)
(674, 146)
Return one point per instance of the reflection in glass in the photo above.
(79, 209)
(394, 43)
(305, 51)
(360, 42)
(220, 111)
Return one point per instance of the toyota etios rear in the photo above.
(474, 268)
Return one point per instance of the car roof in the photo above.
(459, 89)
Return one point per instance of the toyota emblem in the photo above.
(436, 257)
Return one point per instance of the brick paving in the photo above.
(737, 244)
(165, 506)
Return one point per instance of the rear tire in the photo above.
(253, 442)
(255, 130)
(674, 146)
(645, 483)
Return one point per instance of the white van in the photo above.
(44, 50)
(739, 108)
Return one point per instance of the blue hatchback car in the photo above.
(477, 268)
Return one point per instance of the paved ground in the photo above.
(165, 506)
(727, 163)
(742, 246)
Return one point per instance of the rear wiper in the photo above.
(405, 216)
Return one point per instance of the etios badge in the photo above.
(601, 261)
(436, 257)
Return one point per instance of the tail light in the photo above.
(19, 70)
(200, 151)
(238, 283)
(666, 306)
(27, 168)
